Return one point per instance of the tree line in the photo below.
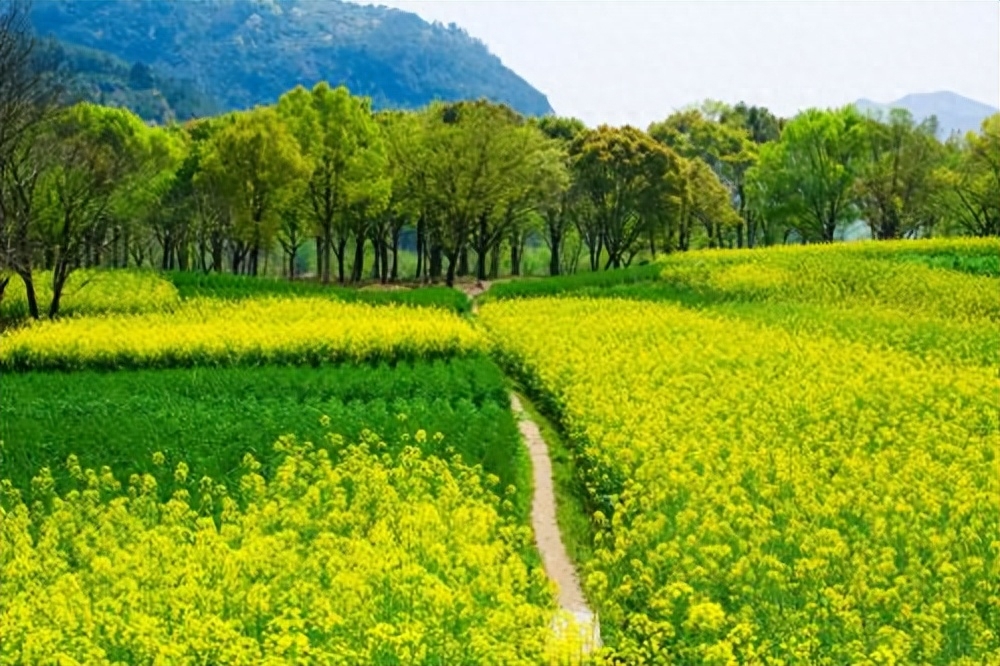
(470, 184)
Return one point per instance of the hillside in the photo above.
(954, 112)
(247, 52)
(97, 76)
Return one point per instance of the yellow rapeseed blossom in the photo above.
(215, 332)
(766, 497)
(862, 274)
(347, 557)
(90, 291)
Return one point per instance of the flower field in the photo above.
(344, 556)
(761, 495)
(782, 456)
(90, 292)
(145, 516)
(252, 332)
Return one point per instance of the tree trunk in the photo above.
(481, 258)
(384, 247)
(377, 263)
(29, 291)
(436, 260)
(463, 263)
(394, 274)
(555, 240)
(327, 247)
(420, 247)
(515, 257)
(359, 259)
(165, 259)
(59, 275)
(453, 259)
(341, 251)
(495, 262)
(217, 254)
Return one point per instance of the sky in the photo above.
(635, 61)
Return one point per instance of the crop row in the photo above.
(252, 332)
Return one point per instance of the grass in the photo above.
(579, 283)
(209, 418)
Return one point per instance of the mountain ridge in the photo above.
(248, 52)
(955, 112)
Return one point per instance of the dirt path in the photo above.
(548, 539)
(473, 289)
(557, 564)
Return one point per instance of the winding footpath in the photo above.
(577, 617)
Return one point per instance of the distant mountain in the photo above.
(247, 52)
(954, 112)
(97, 76)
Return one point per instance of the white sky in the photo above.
(635, 61)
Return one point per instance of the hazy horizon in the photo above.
(635, 62)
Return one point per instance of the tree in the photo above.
(894, 186)
(626, 174)
(477, 156)
(28, 98)
(708, 203)
(100, 163)
(970, 181)
(810, 173)
(561, 211)
(726, 148)
(256, 162)
(762, 125)
(339, 136)
(209, 204)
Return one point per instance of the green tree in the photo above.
(338, 134)
(726, 148)
(809, 175)
(970, 181)
(625, 174)
(477, 155)
(256, 162)
(565, 207)
(762, 125)
(895, 186)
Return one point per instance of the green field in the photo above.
(210, 418)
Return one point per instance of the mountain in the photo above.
(247, 52)
(97, 76)
(954, 112)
